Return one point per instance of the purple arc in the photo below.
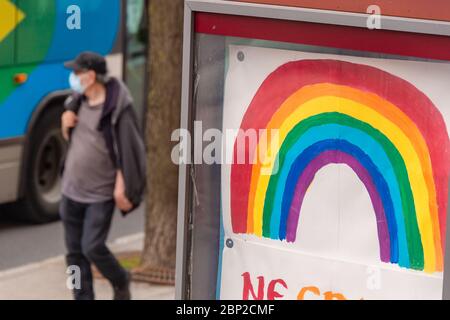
(307, 177)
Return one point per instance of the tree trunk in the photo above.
(163, 116)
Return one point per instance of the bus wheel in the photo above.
(42, 174)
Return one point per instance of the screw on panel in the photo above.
(241, 56)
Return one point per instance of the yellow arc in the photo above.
(329, 104)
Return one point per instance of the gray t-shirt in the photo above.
(89, 174)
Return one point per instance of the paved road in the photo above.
(22, 244)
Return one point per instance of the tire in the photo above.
(42, 180)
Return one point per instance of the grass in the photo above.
(130, 262)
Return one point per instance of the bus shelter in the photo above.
(314, 150)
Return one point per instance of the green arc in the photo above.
(415, 249)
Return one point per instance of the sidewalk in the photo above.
(46, 280)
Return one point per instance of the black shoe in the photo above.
(122, 292)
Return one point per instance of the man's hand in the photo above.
(120, 198)
(69, 120)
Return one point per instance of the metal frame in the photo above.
(318, 16)
(181, 272)
(431, 27)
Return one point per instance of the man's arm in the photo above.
(120, 197)
(69, 118)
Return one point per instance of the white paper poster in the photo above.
(339, 181)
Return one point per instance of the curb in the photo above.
(114, 245)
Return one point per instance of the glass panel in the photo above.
(9, 16)
(35, 34)
(339, 220)
(136, 53)
(8, 26)
(208, 106)
(59, 30)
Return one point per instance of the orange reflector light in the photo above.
(20, 78)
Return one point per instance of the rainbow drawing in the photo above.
(381, 126)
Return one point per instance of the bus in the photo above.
(36, 38)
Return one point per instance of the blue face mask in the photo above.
(75, 83)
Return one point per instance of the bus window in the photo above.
(36, 32)
(136, 53)
(57, 30)
(10, 17)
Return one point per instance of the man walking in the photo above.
(104, 168)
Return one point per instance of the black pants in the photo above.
(86, 228)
